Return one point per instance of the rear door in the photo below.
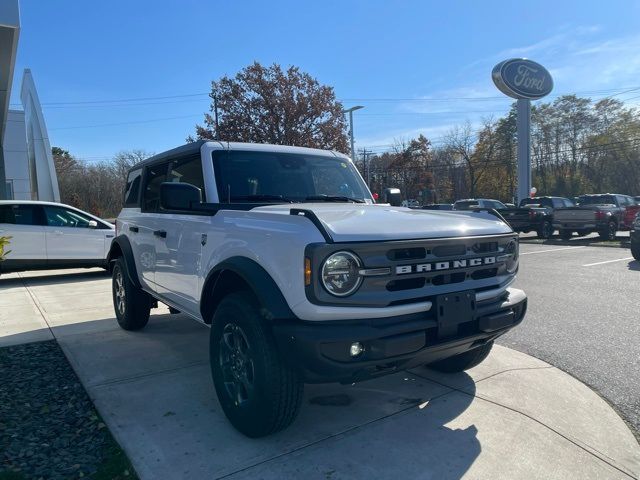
(23, 222)
(71, 236)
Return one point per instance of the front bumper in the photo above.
(319, 351)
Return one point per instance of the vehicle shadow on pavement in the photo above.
(154, 386)
(634, 265)
(46, 278)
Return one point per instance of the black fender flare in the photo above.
(272, 302)
(121, 247)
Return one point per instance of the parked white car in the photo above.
(46, 235)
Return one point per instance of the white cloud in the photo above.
(580, 59)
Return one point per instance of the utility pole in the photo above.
(350, 112)
(215, 112)
(366, 166)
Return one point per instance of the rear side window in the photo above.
(155, 176)
(20, 214)
(132, 190)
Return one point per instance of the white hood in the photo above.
(348, 222)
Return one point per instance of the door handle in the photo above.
(133, 228)
(160, 233)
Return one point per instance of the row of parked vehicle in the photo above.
(605, 214)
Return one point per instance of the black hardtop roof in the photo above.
(186, 149)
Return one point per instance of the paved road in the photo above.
(583, 317)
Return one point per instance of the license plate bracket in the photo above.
(452, 309)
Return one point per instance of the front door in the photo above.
(70, 235)
(179, 242)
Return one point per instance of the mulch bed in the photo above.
(49, 429)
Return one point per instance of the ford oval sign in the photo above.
(522, 78)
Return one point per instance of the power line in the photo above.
(108, 102)
(126, 123)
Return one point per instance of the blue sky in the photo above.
(416, 66)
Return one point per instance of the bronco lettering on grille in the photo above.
(442, 266)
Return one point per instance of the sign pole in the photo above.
(523, 124)
(524, 80)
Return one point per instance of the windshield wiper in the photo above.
(263, 197)
(332, 198)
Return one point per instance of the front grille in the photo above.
(419, 269)
(398, 254)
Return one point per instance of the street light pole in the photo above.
(350, 112)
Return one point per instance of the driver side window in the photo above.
(61, 217)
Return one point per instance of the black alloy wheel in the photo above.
(236, 364)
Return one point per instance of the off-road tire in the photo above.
(546, 230)
(131, 304)
(271, 400)
(565, 234)
(609, 232)
(635, 250)
(462, 361)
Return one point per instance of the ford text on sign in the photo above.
(522, 78)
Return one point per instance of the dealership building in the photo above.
(27, 171)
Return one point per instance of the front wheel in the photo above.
(132, 304)
(463, 361)
(259, 392)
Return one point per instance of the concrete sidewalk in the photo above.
(512, 417)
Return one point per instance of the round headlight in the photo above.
(512, 249)
(340, 275)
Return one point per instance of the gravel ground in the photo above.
(49, 428)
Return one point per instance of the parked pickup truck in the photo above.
(540, 215)
(302, 277)
(602, 213)
(534, 214)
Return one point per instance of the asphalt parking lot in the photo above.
(583, 318)
(512, 417)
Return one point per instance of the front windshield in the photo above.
(465, 205)
(272, 176)
(597, 200)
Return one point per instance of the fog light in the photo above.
(356, 349)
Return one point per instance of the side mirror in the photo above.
(179, 196)
(93, 224)
(393, 196)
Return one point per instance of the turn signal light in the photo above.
(307, 271)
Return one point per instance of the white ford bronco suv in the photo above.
(302, 277)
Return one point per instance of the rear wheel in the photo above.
(565, 234)
(609, 232)
(546, 230)
(635, 250)
(259, 393)
(463, 361)
(132, 304)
